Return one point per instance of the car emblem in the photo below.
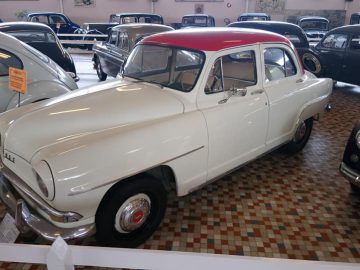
(9, 157)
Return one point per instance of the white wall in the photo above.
(171, 11)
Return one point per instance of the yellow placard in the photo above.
(17, 80)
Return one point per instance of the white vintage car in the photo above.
(45, 79)
(192, 105)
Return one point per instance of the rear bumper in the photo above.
(26, 217)
(350, 174)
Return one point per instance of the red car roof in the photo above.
(213, 39)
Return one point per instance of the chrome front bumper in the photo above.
(350, 174)
(24, 216)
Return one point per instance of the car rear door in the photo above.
(282, 81)
(351, 62)
(234, 106)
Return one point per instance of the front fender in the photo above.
(38, 91)
(86, 166)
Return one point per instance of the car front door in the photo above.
(235, 108)
(109, 62)
(282, 78)
(331, 51)
(59, 24)
(351, 63)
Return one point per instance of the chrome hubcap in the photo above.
(300, 132)
(133, 213)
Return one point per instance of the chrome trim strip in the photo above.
(132, 174)
(17, 182)
(350, 174)
(25, 219)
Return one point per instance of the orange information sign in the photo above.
(18, 80)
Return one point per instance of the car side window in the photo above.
(278, 64)
(57, 19)
(8, 59)
(236, 70)
(113, 37)
(355, 43)
(40, 19)
(124, 41)
(335, 41)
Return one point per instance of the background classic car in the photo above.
(315, 27)
(42, 38)
(127, 142)
(197, 20)
(254, 17)
(350, 165)
(110, 55)
(294, 33)
(45, 79)
(339, 54)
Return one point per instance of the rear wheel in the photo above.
(301, 136)
(354, 189)
(130, 212)
(101, 74)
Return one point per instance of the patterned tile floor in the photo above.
(281, 206)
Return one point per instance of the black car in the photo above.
(350, 165)
(294, 33)
(339, 54)
(58, 22)
(315, 27)
(197, 20)
(254, 17)
(110, 55)
(42, 38)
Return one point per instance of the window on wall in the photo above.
(335, 41)
(232, 71)
(278, 64)
(7, 60)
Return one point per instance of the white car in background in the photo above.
(45, 79)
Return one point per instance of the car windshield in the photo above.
(194, 21)
(253, 18)
(166, 66)
(125, 19)
(314, 25)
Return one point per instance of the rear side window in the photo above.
(335, 41)
(278, 64)
(8, 59)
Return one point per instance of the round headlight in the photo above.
(357, 139)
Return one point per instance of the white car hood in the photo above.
(83, 112)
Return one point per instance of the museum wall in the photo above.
(173, 10)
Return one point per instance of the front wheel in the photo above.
(130, 212)
(99, 71)
(301, 136)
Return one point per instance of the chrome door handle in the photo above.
(257, 92)
(299, 80)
